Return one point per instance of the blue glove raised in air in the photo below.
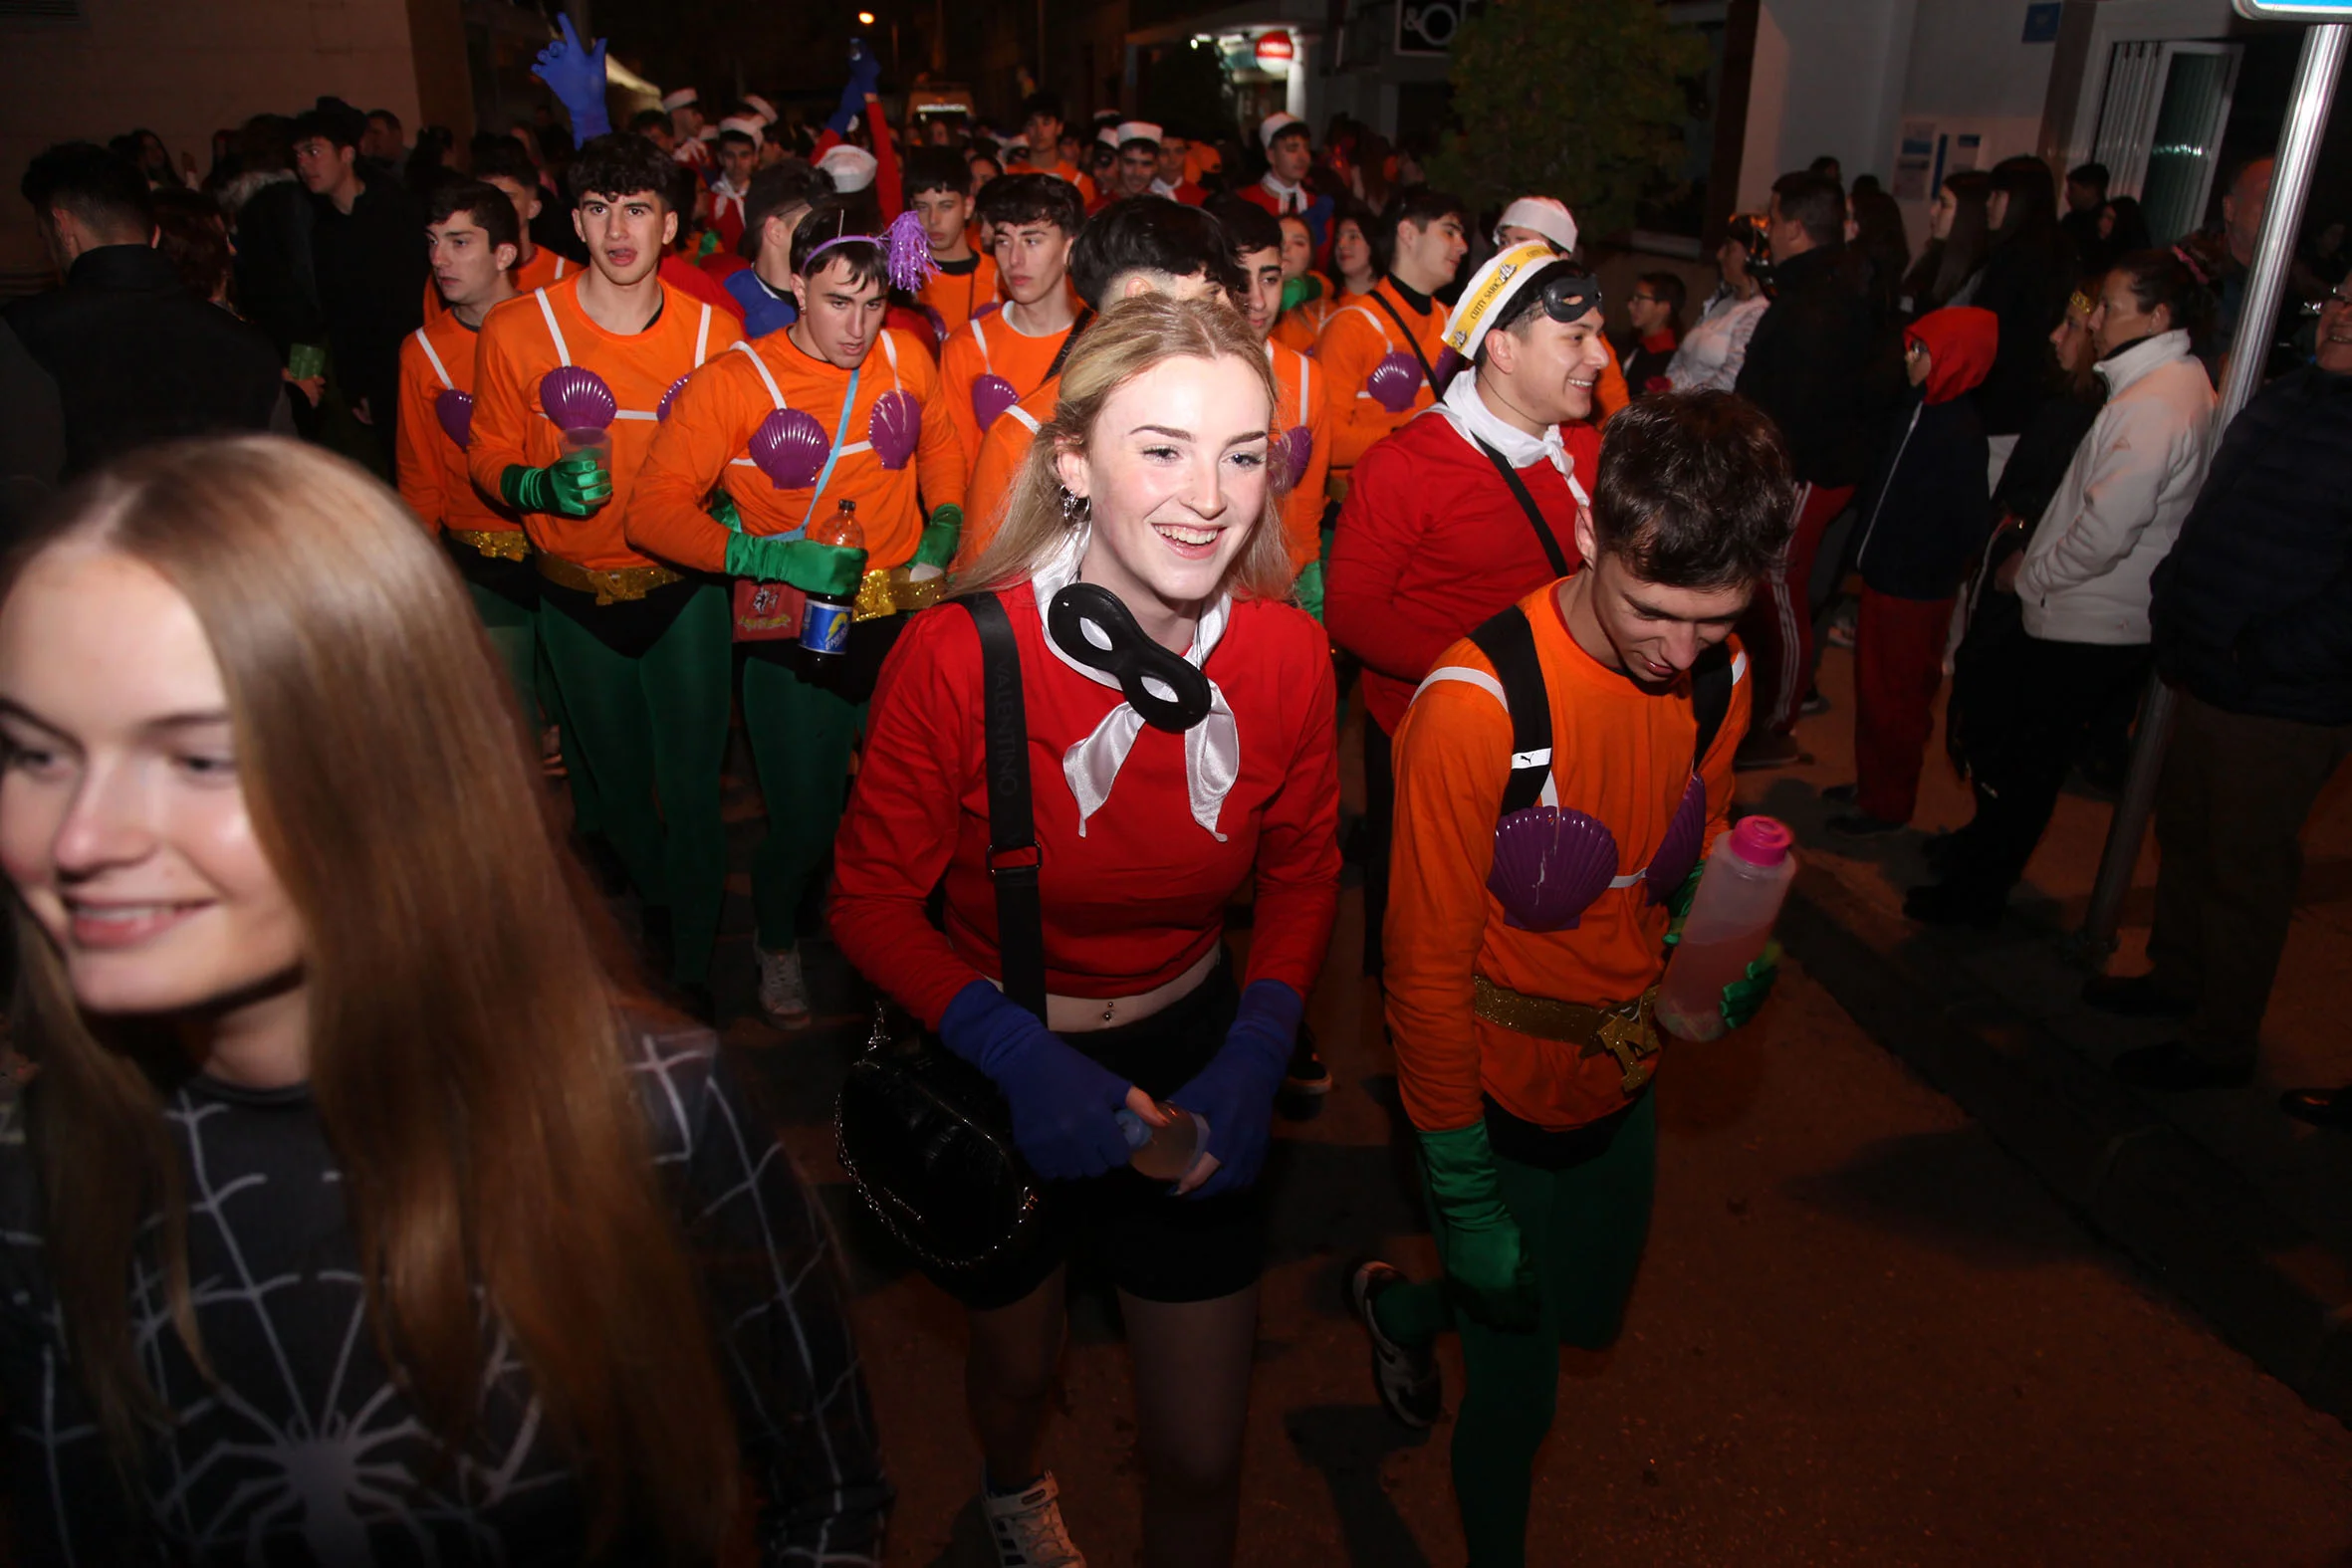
(865, 74)
(1235, 1093)
(575, 74)
(1064, 1107)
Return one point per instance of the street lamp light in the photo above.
(865, 19)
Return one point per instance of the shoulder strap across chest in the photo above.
(1013, 854)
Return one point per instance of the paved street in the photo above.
(1862, 1335)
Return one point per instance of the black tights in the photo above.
(1192, 1399)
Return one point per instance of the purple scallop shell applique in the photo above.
(991, 395)
(1680, 849)
(895, 428)
(455, 410)
(1395, 381)
(1449, 365)
(790, 448)
(661, 411)
(1297, 451)
(577, 399)
(1550, 865)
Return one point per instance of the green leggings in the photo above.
(1584, 1227)
(801, 738)
(652, 738)
(514, 632)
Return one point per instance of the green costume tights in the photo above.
(645, 740)
(801, 738)
(1583, 1229)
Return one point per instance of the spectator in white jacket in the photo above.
(2084, 580)
(1712, 352)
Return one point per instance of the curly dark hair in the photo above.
(1694, 490)
(621, 163)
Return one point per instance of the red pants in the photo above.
(1898, 664)
(1778, 630)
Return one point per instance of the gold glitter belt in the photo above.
(1624, 1031)
(624, 583)
(499, 543)
(887, 590)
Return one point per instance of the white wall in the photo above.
(1828, 78)
(1973, 73)
(184, 70)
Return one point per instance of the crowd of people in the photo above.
(1036, 505)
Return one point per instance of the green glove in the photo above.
(1678, 902)
(1308, 589)
(1743, 998)
(1486, 1259)
(723, 512)
(806, 565)
(940, 537)
(573, 487)
(1298, 291)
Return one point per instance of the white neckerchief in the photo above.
(1288, 194)
(1468, 413)
(1212, 747)
(1160, 187)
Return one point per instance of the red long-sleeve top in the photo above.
(1138, 899)
(1431, 543)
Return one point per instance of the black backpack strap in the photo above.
(1411, 342)
(1509, 643)
(1526, 502)
(1013, 854)
(1711, 697)
(1070, 340)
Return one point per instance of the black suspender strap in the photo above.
(1509, 643)
(1068, 342)
(1411, 341)
(1013, 854)
(1711, 697)
(1519, 486)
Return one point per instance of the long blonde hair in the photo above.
(465, 1056)
(1118, 345)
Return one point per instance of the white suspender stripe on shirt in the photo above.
(439, 369)
(775, 395)
(702, 337)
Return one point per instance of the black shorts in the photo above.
(1152, 1245)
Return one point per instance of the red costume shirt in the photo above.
(1141, 896)
(1431, 543)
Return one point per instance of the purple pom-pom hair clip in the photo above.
(907, 252)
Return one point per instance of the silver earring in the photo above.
(1075, 509)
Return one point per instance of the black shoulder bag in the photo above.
(923, 1133)
(1526, 503)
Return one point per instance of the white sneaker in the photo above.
(1028, 1529)
(784, 993)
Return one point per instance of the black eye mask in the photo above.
(1090, 624)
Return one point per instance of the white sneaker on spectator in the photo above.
(1027, 1527)
(783, 992)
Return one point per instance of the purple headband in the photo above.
(906, 253)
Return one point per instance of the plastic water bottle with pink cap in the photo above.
(1730, 920)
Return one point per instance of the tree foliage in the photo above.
(1582, 99)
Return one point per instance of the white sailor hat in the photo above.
(1569, 294)
(851, 167)
(683, 98)
(1546, 216)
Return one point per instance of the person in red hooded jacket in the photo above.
(1925, 517)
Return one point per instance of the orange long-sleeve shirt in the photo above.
(707, 438)
(430, 466)
(1301, 324)
(1002, 452)
(986, 345)
(1298, 403)
(521, 341)
(1620, 755)
(954, 297)
(1354, 341)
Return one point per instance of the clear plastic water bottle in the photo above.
(1748, 875)
(824, 618)
(1163, 1154)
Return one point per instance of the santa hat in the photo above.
(1487, 298)
(762, 107)
(1546, 216)
(1139, 131)
(750, 125)
(1274, 125)
(684, 97)
(852, 167)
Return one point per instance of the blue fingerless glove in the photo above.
(1235, 1093)
(1065, 1106)
(575, 74)
(865, 74)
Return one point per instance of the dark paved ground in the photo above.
(1862, 1334)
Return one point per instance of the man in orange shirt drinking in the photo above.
(1559, 776)
(570, 385)
(865, 405)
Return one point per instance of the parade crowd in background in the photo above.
(1036, 501)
